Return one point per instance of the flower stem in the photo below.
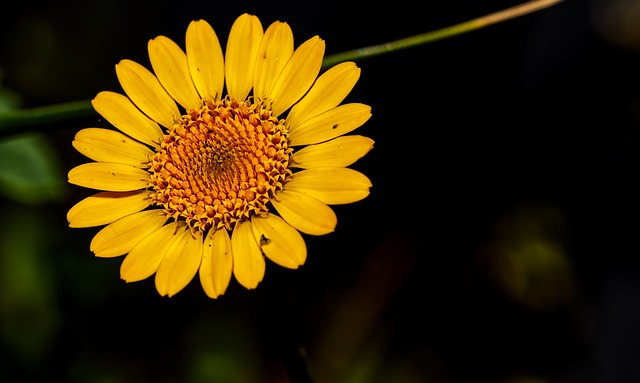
(19, 121)
(428, 37)
(23, 120)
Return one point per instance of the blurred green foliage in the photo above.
(30, 169)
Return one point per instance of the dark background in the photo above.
(498, 244)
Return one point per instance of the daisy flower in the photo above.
(205, 175)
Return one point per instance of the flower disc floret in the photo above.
(221, 164)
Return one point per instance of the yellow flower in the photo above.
(201, 182)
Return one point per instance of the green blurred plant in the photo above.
(30, 170)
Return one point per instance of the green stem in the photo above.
(429, 37)
(19, 121)
(23, 120)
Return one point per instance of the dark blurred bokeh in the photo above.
(499, 242)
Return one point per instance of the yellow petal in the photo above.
(330, 124)
(275, 50)
(217, 263)
(144, 89)
(206, 63)
(106, 207)
(180, 263)
(121, 113)
(307, 214)
(242, 48)
(279, 241)
(248, 263)
(169, 63)
(145, 257)
(342, 151)
(109, 176)
(331, 185)
(106, 145)
(119, 237)
(326, 93)
(298, 75)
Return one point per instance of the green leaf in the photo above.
(30, 170)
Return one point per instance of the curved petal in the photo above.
(145, 257)
(275, 50)
(180, 263)
(169, 63)
(144, 89)
(279, 241)
(327, 92)
(330, 124)
(305, 213)
(341, 151)
(106, 207)
(205, 59)
(242, 48)
(298, 75)
(107, 145)
(217, 263)
(248, 263)
(331, 185)
(109, 176)
(119, 237)
(124, 115)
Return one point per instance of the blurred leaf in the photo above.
(9, 100)
(30, 171)
(527, 259)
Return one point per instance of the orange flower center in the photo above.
(220, 164)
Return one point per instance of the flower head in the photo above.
(202, 181)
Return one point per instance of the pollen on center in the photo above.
(220, 164)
